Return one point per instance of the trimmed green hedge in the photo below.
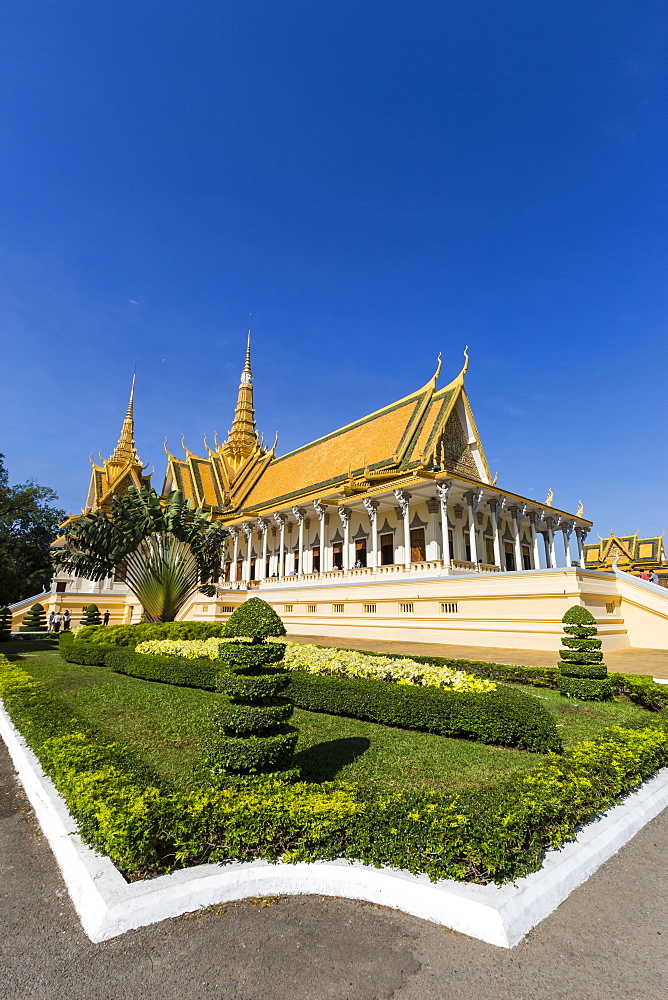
(584, 688)
(166, 669)
(132, 635)
(495, 834)
(505, 717)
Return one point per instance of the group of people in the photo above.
(56, 620)
(650, 576)
(64, 621)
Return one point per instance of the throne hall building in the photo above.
(390, 527)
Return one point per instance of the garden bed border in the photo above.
(108, 906)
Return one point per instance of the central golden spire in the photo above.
(243, 437)
(125, 450)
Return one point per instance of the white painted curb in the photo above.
(107, 905)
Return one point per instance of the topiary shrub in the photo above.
(35, 620)
(251, 731)
(5, 624)
(91, 616)
(582, 673)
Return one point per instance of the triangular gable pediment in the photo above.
(618, 546)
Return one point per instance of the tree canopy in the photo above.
(28, 524)
(165, 549)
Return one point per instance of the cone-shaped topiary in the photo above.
(252, 734)
(35, 620)
(582, 673)
(91, 615)
(5, 624)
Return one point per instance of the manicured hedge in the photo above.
(131, 635)
(166, 669)
(85, 653)
(495, 834)
(505, 716)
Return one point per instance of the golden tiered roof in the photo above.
(123, 469)
(632, 553)
(411, 437)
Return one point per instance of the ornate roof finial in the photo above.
(549, 498)
(243, 437)
(125, 449)
(466, 361)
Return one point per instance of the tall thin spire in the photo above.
(243, 437)
(125, 449)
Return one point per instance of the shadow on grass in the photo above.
(323, 761)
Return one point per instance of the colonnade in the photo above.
(465, 530)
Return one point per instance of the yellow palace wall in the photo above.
(521, 610)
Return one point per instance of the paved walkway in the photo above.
(619, 661)
(608, 941)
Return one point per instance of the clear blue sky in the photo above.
(375, 182)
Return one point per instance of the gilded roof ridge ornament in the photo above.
(466, 361)
(549, 498)
(439, 365)
(243, 437)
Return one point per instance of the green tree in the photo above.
(91, 616)
(167, 551)
(35, 620)
(251, 731)
(5, 624)
(28, 524)
(582, 673)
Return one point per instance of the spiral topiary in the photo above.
(91, 615)
(35, 620)
(582, 673)
(5, 624)
(251, 731)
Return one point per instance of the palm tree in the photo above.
(166, 550)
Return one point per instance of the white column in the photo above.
(262, 525)
(497, 507)
(431, 535)
(550, 550)
(403, 499)
(566, 529)
(518, 513)
(344, 514)
(248, 532)
(321, 510)
(299, 513)
(580, 535)
(472, 501)
(371, 509)
(279, 518)
(443, 490)
(535, 548)
(234, 531)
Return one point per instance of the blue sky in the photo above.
(375, 182)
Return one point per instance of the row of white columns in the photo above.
(496, 504)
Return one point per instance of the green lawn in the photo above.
(166, 726)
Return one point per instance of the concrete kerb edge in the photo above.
(500, 915)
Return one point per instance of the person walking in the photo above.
(51, 617)
(105, 619)
(66, 621)
(57, 621)
(653, 578)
